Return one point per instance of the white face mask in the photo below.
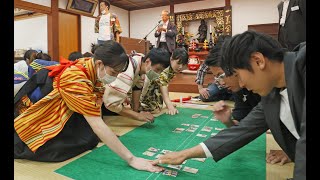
(151, 74)
(103, 12)
(106, 79)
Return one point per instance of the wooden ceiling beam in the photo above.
(32, 7)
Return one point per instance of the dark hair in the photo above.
(43, 56)
(75, 55)
(29, 54)
(106, 2)
(88, 54)
(93, 47)
(158, 56)
(236, 53)
(181, 54)
(214, 56)
(112, 54)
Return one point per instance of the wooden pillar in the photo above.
(171, 7)
(129, 23)
(227, 2)
(53, 31)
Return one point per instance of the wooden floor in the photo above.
(31, 170)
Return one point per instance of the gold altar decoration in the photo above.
(222, 17)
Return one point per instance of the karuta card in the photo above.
(204, 116)
(165, 151)
(213, 134)
(148, 153)
(206, 130)
(185, 161)
(190, 169)
(194, 125)
(190, 130)
(178, 167)
(201, 135)
(152, 149)
(212, 119)
(199, 159)
(159, 155)
(185, 124)
(218, 129)
(169, 172)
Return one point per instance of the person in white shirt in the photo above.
(166, 33)
(107, 25)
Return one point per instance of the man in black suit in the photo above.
(166, 33)
(278, 77)
(292, 23)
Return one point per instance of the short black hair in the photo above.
(158, 56)
(43, 56)
(181, 54)
(29, 53)
(236, 53)
(93, 47)
(106, 2)
(214, 56)
(88, 54)
(112, 54)
(75, 55)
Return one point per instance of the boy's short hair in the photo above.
(158, 56)
(106, 2)
(181, 54)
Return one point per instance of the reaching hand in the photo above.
(204, 92)
(174, 158)
(276, 156)
(145, 116)
(144, 165)
(222, 112)
(172, 110)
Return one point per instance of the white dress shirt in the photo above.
(285, 114)
(284, 12)
(163, 33)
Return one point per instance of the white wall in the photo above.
(250, 12)
(31, 33)
(244, 13)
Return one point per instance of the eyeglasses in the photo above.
(220, 77)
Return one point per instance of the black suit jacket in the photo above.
(294, 30)
(170, 36)
(266, 116)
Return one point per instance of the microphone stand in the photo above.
(145, 38)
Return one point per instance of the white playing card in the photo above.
(190, 130)
(212, 119)
(159, 155)
(190, 170)
(204, 116)
(178, 167)
(218, 129)
(152, 149)
(213, 134)
(199, 159)
(185, 161)
(194, 125)
(201, 135)
(148, 153)
(165, 151)
(185, 124)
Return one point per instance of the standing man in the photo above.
(166, 33)
(107, 24)
(292, 23)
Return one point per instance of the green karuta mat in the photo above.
(248, 163)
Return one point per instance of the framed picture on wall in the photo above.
(84, 7)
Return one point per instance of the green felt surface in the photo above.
(245, 164)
